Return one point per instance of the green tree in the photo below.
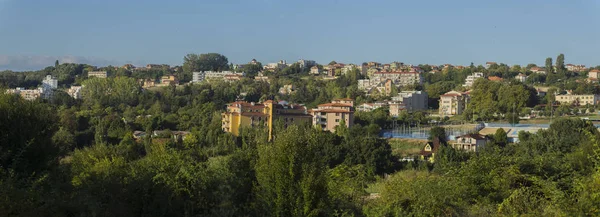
(549, 66)
(205, 62)
(438, 133)
(500, 137)
(560, 64)
(26, 142)
(291, 176)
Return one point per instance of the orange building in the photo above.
(250, 114)
(330, 115)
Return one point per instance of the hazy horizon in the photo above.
(36, 33)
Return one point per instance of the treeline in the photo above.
(209, 173)
(301, 172)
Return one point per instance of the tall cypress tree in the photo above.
(549, 66)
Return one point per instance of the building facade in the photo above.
(470, 80)
(169, 80)
(245, 114)
(413, 100)
(452, 103)
(521, 77)
(198, 77)
(75, 92)
(97, 74)
(330, 115)
(577, 100)
(469, 142)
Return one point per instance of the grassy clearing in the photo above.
(406, 147)
(375, 187)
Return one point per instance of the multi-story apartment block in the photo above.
(577, 100)
(27, 94)
(413, 100)
(470, 80)
(399, 78)
(453, 103)
(49, 83)
(315, 70)
(594, 74)
(168, 80)
(469, 142)
(282, 64)
(537, 70)
(575, 68)
(198, 77)
(245, 114)
(75, 92)
(306, 63)
(262, 77)
(97, 74)
(331, 115)
(521, 77)
(396, 108)
(369, 107)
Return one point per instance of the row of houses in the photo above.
(383, 83)
(409, 101)
(248, 114)
(46, 91)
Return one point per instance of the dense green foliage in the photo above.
(65, 157)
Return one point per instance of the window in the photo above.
(259, 118)
(337, 120)
(323, 113)
(337, 114)
(285, 119)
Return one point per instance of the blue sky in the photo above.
(34, 32)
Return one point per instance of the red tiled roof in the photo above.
(495, 78)
(254, 114)
(450, 94)
(334, 105)
(330, 110)
(474, 136)
(595, 70)
(378, 73)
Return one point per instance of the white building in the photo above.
(369, 107)
(413, 100)
(521, 77)
(75, 92)
(470, 80)
(282, 64)
(538, 70)
(399, 78)
(198, 77)
(306, 63)
(577, 100)
(49, 84)
(27, 94)
(315, 70)
(97, 74)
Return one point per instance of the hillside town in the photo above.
(388, 116)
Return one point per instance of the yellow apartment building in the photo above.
(250, 114)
